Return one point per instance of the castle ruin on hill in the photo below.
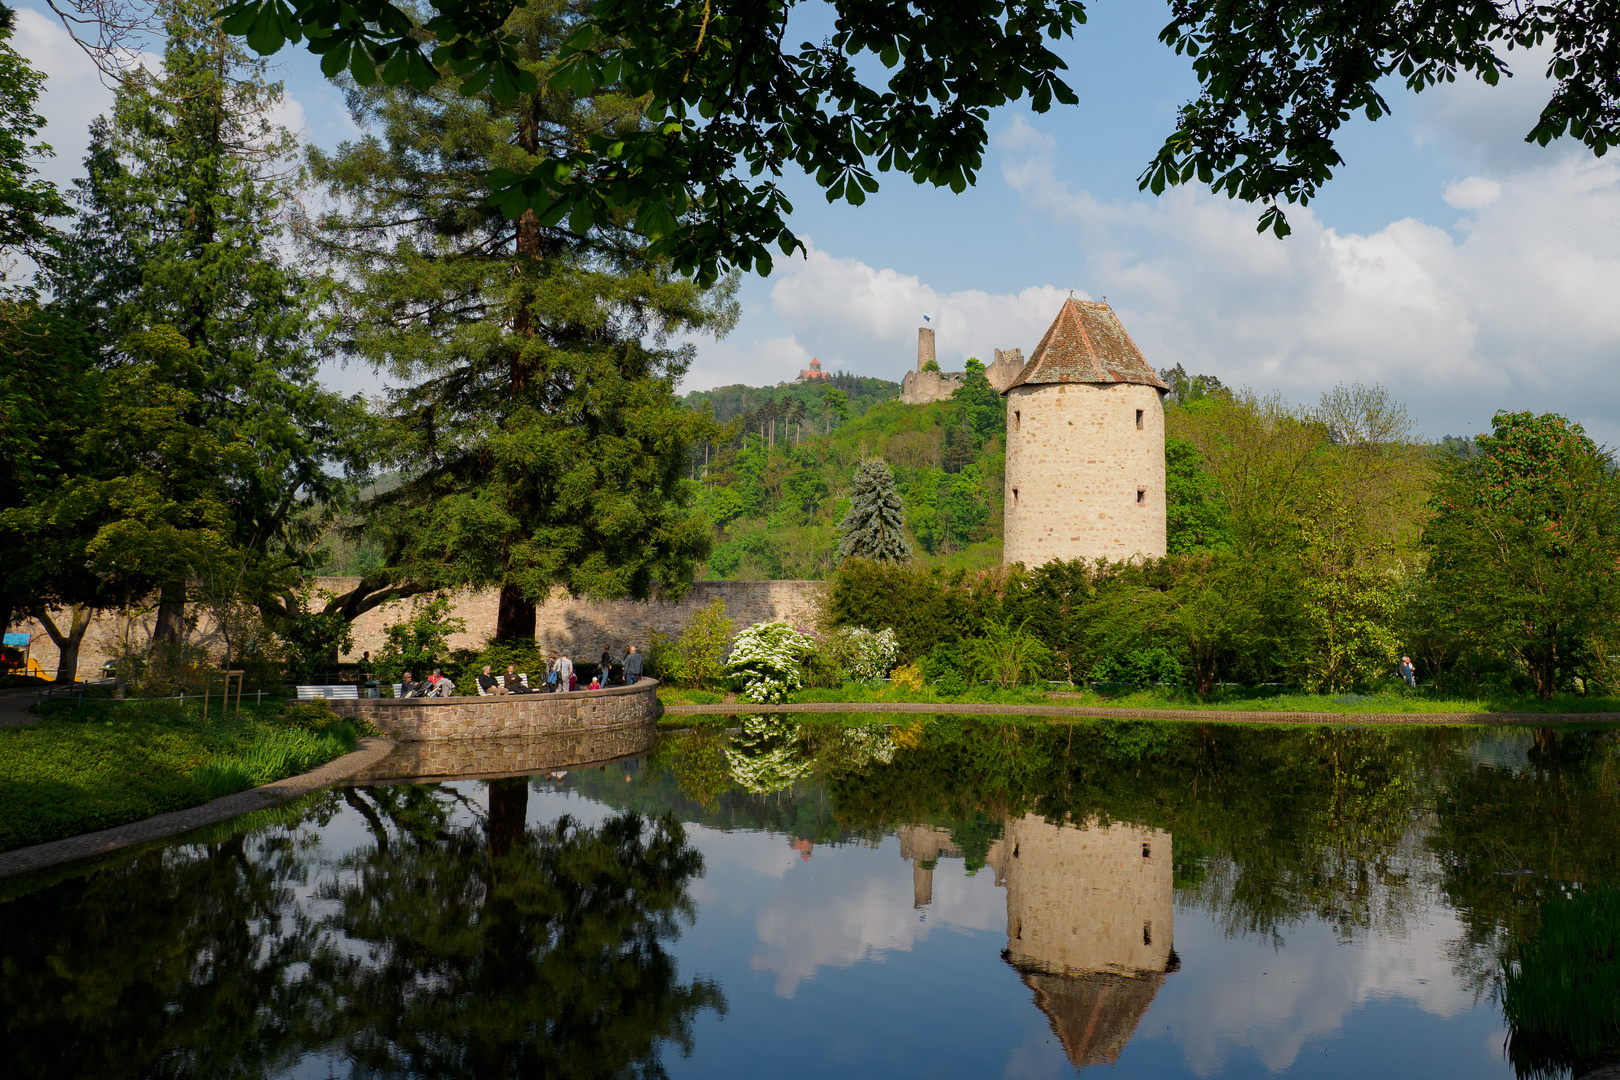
(921, 385)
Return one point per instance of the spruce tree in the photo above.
(188, 188)
(875, 527)
(536, 428)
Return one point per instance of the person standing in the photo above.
(564, 669)
(1407, 672)
(605, 667)
(632, 666)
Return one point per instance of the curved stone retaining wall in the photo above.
(465, 759)
(507, 717)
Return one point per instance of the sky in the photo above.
(1449, 261)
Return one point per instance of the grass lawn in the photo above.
(103, 763)
(1280, 699)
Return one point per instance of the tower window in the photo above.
(1141, 496)
(1017, 417)
(1147, 932)
(1138, 419)
(1015, 498)
(1147, 850)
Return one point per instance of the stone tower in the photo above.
(1085, 445)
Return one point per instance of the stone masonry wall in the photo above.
(519, 716)
(1075, 462)
(582, 628)
(489, 758)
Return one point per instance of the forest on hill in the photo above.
(776, 489)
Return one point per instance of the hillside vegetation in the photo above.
(776, 491)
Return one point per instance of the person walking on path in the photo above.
(564, 669)
(1407, 672)
(606, 667)
(632, 666)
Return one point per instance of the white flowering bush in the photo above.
(862, 654)
(769, 658)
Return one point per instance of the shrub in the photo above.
(908, 677)
(768, 658)
(1006, 656)
(860, 654)
(700, 654)
(1141, 667)
(419, 642)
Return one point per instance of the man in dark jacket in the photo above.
(632, 666)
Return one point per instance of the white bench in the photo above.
(342, 691)
(523, 677)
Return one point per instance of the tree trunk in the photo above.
(67, 645)
(515, 618)
(171, 614)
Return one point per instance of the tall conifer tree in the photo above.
(875, 527)
(535, 424)
(188, 188)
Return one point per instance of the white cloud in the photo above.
(1473, 193)
(74, 92)
(1517, 313)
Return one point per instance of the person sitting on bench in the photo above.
(410, 687)
(489, 684)
(514, 683)
(439, 686)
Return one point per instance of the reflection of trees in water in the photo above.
(450, 950)
(181, 962)
(509, 951)
(1530, 863)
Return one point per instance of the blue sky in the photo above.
(1450, 262)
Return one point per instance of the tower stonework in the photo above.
(1085, 472)
(925, 347)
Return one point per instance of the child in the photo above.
(596, 682)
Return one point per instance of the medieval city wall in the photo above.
(582, 628)
(1076, 461)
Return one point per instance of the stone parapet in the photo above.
(582, 712)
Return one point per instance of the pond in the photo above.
(946, 897)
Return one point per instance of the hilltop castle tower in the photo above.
(1085, 445)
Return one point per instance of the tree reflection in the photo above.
(445, 947)
(512, 951)
(180, 962)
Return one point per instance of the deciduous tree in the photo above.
(1525, 542)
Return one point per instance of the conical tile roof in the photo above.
(1087, 344)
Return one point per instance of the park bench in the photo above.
(523, 677)
(330, 693)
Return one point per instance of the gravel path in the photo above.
(1201, 716)
(85, 845)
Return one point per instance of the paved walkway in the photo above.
(1200, 716)
(14, 705)
(22, 860)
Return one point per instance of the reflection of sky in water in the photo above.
(828, 969)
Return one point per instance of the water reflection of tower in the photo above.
(1089, 921)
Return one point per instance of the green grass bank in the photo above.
(1231, 699)
(101, 763)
